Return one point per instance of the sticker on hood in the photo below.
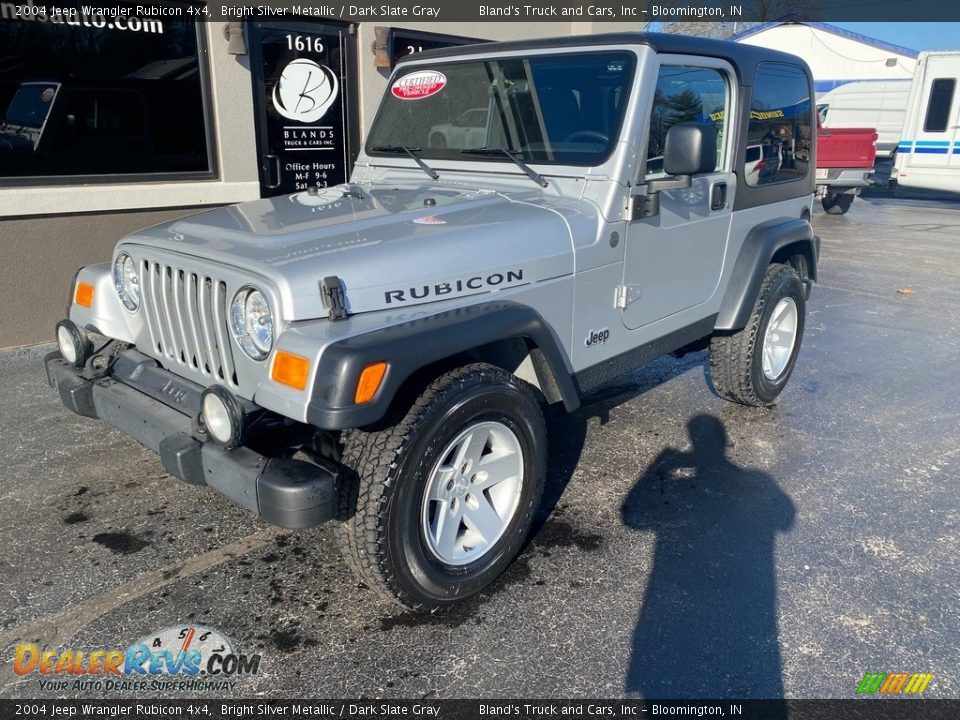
(418, 85)
(429, 220)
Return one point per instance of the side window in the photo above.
(939, 104)
(780, 130)
(686, 94)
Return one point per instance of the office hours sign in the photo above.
(303, 91)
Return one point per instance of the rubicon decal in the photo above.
(148, 664)
(418, 85)
(454, 287)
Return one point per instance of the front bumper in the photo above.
(159, 409)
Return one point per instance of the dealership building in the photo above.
(114, 124)
(836, 56)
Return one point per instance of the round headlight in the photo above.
(126, 282)
(252, 323)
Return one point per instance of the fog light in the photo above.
(222, 416)
(73, 343)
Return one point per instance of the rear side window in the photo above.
(939, 104)
(780, 124)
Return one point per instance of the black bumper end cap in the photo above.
(49, 361)
(76, 392)
(294, 494)
(180, 455)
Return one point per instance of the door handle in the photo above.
(718, 196)
(270, 163)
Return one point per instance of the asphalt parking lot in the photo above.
(694, 549)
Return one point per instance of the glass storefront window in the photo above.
(102, 96)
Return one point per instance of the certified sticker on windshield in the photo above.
(418, 85)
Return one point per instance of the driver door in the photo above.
(674, 259)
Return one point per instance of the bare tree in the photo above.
(765, 10)
(719, 30)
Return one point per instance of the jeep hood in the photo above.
(391, 246)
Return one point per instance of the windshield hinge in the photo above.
(331, 293)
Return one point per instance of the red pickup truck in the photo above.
(845, 158)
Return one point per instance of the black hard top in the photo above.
(742, 56)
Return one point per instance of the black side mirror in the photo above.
(690, 149)
(70, 122)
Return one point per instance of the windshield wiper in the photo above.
(412, 152)
(531, 173)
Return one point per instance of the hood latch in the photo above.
(334, 300)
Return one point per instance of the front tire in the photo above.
(441, 503)
(752, 366)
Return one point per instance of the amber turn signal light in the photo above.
(83, 295)
(369, 382)
(290, 370)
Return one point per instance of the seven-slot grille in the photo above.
(186, 319)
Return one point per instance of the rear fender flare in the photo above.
(773, 241)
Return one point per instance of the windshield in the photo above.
(30, 105)
(558, 109)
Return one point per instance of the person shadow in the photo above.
(707, 627)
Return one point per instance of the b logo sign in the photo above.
(305, 91)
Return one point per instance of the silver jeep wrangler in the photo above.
(379, 353)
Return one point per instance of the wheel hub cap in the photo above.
(473, 493)
(779, 338)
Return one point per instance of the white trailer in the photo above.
(928, 156)
(880, 104)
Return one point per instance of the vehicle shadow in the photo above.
(707, 626)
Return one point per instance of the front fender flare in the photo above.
(415, 344)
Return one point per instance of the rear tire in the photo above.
(837, 204)
(752, 366)
(418, 477)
